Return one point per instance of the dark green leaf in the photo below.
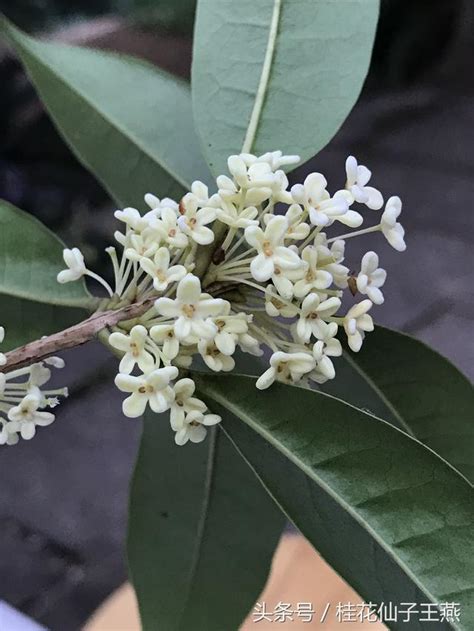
(127, 121)
(407, 383)
(386, 512)
(25, 321)
(202, 532)
(30, 259)
(277, 74)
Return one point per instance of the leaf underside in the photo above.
(277, 74)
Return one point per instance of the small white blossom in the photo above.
(133, 345)
(194, 427)
(25, 416)
(286, 367)
(158, 205)
(275, 307)
(249, 344)
(313, 196)
(76, 267)
(184, 402)
(164, 334)
(142, 245)
(270, 249)
(229, 214)
(214, 358)
(132, 219)
(229, 328)
(313, 278)
(326, 347)
(192, 309)
(152, 389)
(358, 177)
(194, 220)
(356, 323)
(169, 231)
(8, 433)
(257, 179)
(371, 277)
(276, 159)
(313, 310)
(297, 229)
(160, 270)
(391, 228)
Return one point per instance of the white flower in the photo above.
(132, 219)
(158, 205)
(39, 375)
(257, 180)
(142, 245)
(234, 218)
(198, 196)
(249, 344)
(134, 347)
(271, 252)
(371, 277)
(168, 229)
(297, 230)
(287, 367)
(76, 266)
(26, 416)
(313, 196)
(194, 427)
(327, 346)
(314, 278)
(330, 259)
(276, 307)
(276, 159)
(351, 218)
(250, 176)
(312, 311)
(229, 328)
(184, 402)
(214, 358)
(164, 334)
(357, 178)
(152, 389)
(8, 434)
(393, 231)
(356, 322)
(192, 309)
(193, 222)
(160, 270)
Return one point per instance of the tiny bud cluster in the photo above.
(276, 280)
(23, 401)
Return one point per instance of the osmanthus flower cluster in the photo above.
(23, 401)
(274, 278)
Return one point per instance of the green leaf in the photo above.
(386, 512)
(407, 383)
(277, 74)
(25, 321)
(127, 121)
(30, 258)
(202, 532)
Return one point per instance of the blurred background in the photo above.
(62, 516)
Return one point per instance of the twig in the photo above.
(73, 336)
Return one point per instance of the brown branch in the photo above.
(73, 336)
